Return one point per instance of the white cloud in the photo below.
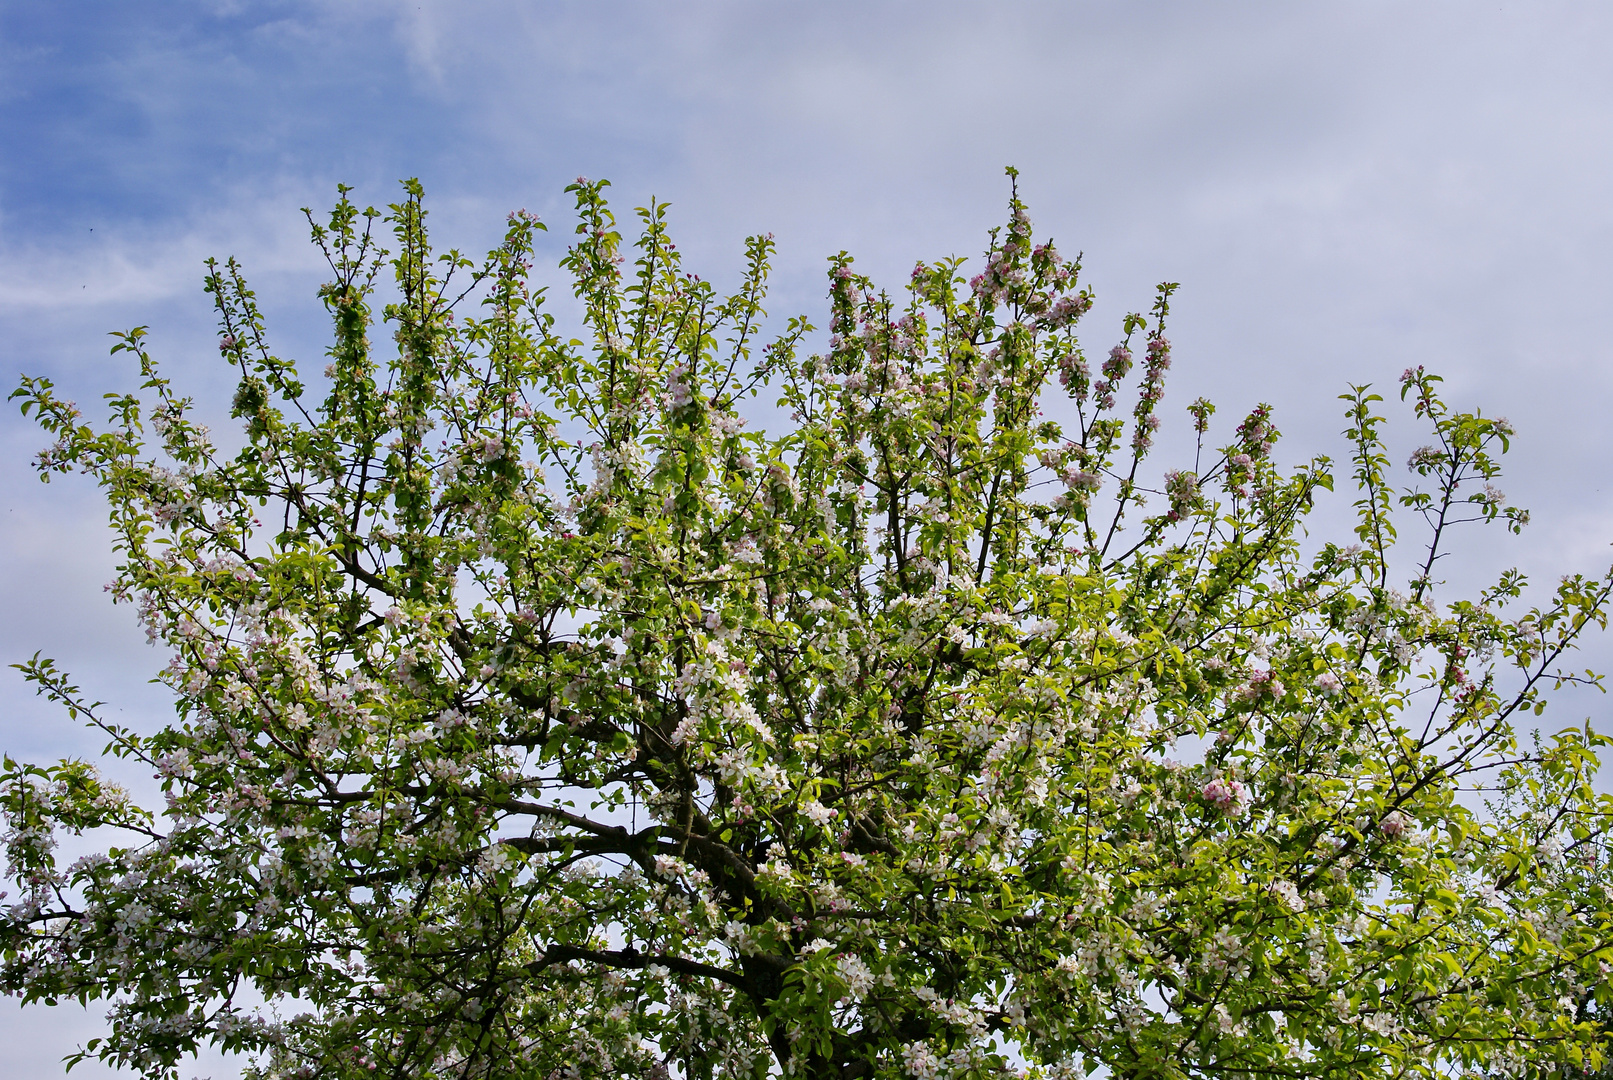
(130, 263)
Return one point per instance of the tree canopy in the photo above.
(544, 710)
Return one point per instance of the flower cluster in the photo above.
(1182, 489)
(1228, 796)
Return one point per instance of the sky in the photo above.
(1342, 190)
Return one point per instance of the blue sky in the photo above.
(1342, 190)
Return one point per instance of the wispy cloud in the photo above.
(125, 264)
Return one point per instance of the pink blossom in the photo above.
(1262, 684)
(1228, 796)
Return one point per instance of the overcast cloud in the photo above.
(1342, 191)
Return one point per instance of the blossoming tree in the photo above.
(537, 717)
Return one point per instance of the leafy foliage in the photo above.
(536, 719)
